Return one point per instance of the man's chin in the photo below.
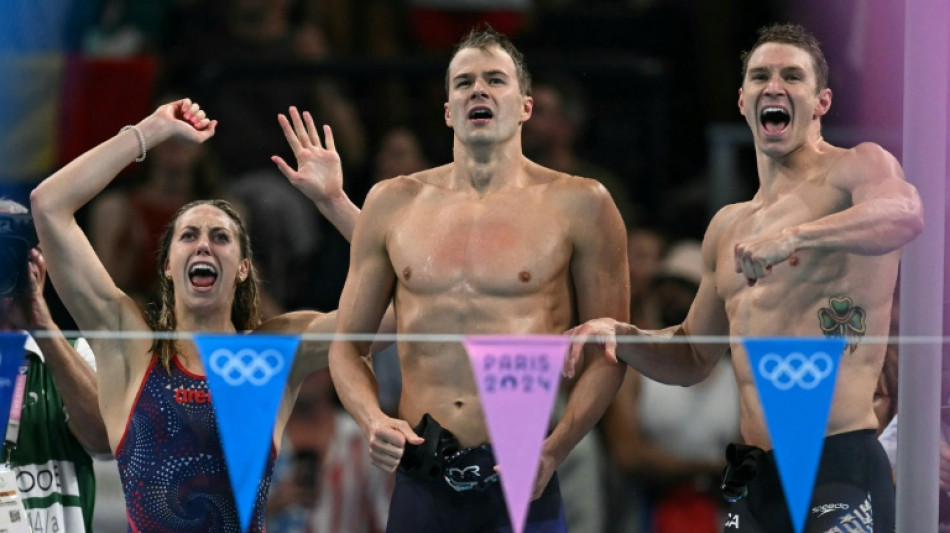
(774, 146)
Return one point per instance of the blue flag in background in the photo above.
(246, 378)
(12, 344)
(796, 379)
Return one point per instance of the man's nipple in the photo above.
(524, 276)
(407, 273)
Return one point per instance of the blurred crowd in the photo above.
(614, 98)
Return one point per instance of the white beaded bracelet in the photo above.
(141, 136)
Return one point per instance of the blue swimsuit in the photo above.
(171, 462)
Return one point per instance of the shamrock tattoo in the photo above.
(843, 319)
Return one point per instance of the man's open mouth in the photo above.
(480, 113)
(774, 119)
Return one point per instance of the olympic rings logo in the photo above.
(246, 366)
(796, 369)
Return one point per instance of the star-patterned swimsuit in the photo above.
(171, 462)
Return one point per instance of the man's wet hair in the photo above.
(795, 35)
(485, 38)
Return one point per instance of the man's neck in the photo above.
(485, 169)
(777, 174)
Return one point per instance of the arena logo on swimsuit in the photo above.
(183, 395)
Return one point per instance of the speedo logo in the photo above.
(183, 395)
(826, 508)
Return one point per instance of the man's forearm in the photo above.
(355, 383)
(595, 389)
(870, 228)
(78, 388)
(674, 362)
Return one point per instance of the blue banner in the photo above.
(795, 378)
(12, 344)
(246, 378)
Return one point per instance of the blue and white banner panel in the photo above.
(796, 379)
(246, 378)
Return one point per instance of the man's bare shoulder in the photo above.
(410, 185)
(396, 191)
(434, 177)
(723, 221)
(866, 161)
(728, 215)
(585, 203)
(870, 151)
(577, 191)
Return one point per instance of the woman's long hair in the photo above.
(245, 310)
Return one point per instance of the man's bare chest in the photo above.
(771, 228)
(483, 249)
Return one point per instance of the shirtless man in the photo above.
(490, 243)
(824, 230)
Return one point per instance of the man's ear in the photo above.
(448, 115)
(527, 107)
(741, 102)
(824, 102)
